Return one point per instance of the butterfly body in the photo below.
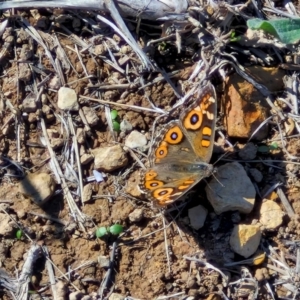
(180, 155)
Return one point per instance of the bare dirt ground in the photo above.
(156, 255)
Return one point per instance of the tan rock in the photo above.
(137, 215)
(90, 115)
(38, 186)
(6, 225)
(87, 192)
(135, 140)
(103, 261)
(110, 158)
(245, 239)
(270, 214)
(67, 99)
(29, 103)
(86, 158)
(115, 296)
(262, 274)
(80, 136)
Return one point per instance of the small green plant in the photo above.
(115, 229)
(114, 114)
(233, 37)
(115, 120)
(19, 234)
(116, 126)
(267, 148)
(263, 149)
(101, 232)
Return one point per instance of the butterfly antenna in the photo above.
(217, 180)
(226, 152)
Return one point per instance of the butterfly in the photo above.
(181, 151)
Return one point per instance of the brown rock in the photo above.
(244, 107)
(38, 186)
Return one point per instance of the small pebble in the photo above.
(136, 215)
(90, 115)
(271, 215)
(110, 158)
(115, 296)
(256, 175)
(248, 152)
(245, 239)
(67, 99)
(103, 261)
(135, 140)
(197, 216)
(86, 158)
(125, 126)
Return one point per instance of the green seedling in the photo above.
(116, 126)
(234, 38)
(101, 232)
(114, 114)
(19, 234)
(263, 149)
(115, 120)
(267, 148)
(115, 229)
(274, 146)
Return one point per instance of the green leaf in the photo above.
(19, 234)
(263, 149)
(101, 232)
(233, 37)
(116, 126)
(274, 146)
(32, 292)
(116, 229)
(114, 114)
(286, 30)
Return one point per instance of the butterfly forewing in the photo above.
(199, 123)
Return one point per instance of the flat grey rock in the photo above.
(231, 189)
